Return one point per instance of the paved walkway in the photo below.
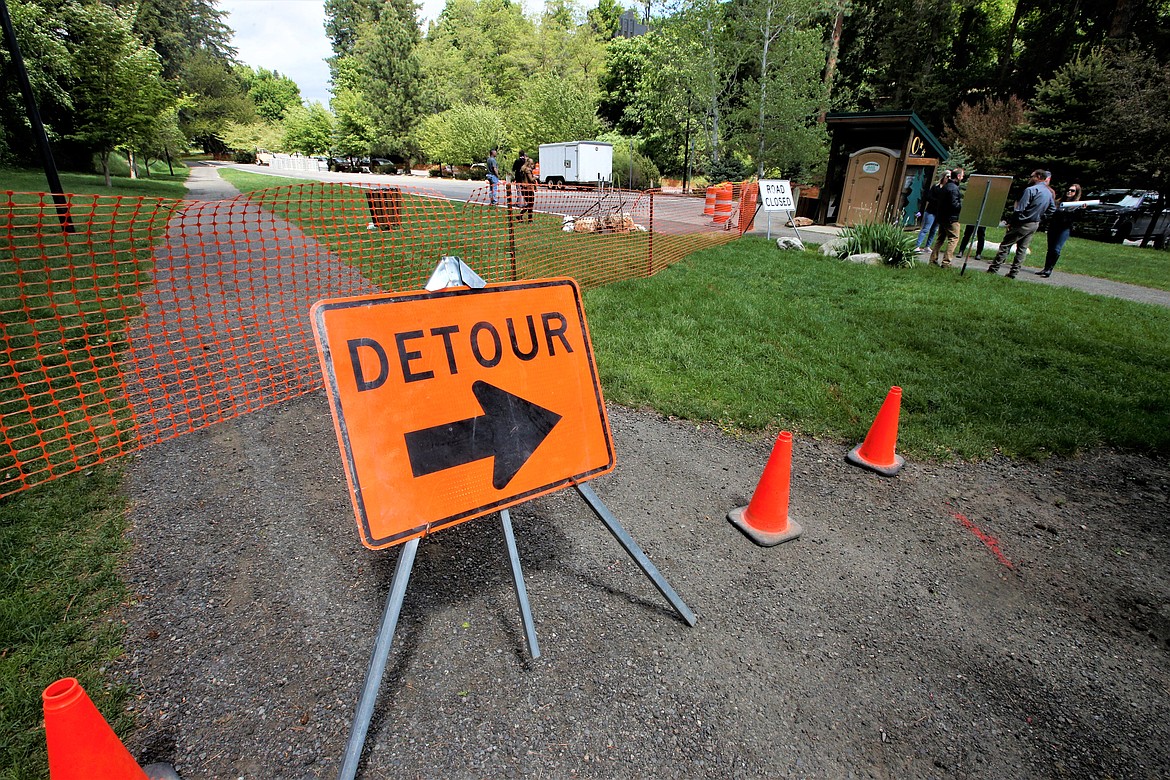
(819, 234)
(205, 183)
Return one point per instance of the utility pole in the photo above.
(34, 118)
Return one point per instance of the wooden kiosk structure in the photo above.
(881, 166)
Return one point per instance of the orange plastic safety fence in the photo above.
(150, 318)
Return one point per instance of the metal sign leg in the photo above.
(518, 579)
(635, 552)
(365, 710)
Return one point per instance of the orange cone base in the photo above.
(738, 518)
(886, 470)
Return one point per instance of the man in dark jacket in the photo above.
(949, 206)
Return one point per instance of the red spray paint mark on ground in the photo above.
(990, 541)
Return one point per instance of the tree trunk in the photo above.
(1121, 24)
(106, 167)
(831, 62)
(713, 109)
(1009, 42)
(763, 90)
(130, 163)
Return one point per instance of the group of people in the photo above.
(523, 173)
(1039, 201)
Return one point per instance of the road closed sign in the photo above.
(455, 404)
(776, 195)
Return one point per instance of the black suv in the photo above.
(1121, 215)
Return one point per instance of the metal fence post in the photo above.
(650, 243)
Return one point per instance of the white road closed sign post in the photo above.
(776, 195)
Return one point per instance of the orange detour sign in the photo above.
(454, 404)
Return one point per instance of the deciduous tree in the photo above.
(272, 94)
(308, 130)
(463, 134)
(119, 92)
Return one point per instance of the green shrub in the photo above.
(727, 169)
(645, 172)
(888, 239)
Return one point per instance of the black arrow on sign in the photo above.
(510, 429)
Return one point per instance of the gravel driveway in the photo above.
(992, 620)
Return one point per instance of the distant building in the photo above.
(629, 26)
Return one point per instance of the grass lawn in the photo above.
(336, 215)
(160, 184)
(750, 337)
(61, 542)
(60, 546)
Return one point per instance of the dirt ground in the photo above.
(959, 620)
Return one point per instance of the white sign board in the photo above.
(776, 195)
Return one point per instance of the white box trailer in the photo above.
(576, 162)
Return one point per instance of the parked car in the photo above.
(1121, 215)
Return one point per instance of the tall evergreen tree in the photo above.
(390, 79)
(1062, 131)
(343, 22)
(177, 28)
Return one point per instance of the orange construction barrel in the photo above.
(709, 206)
(724, 203)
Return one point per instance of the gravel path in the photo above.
(988, 620)
(960, 620)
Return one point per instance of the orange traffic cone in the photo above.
(765, 519)
(877, 451)
(81, 744)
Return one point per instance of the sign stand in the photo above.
(975, 230)
(365, 709)
(429, 449)
(776, 195)
(634, 551)
(518, 581)
(995, 193)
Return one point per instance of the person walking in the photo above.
(518, 175)
(523, 168)
(1060, 226)
(1035, 204)
(950, 204)
(518, 165)
(929, 222)
(493, 175)
(980, 234)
